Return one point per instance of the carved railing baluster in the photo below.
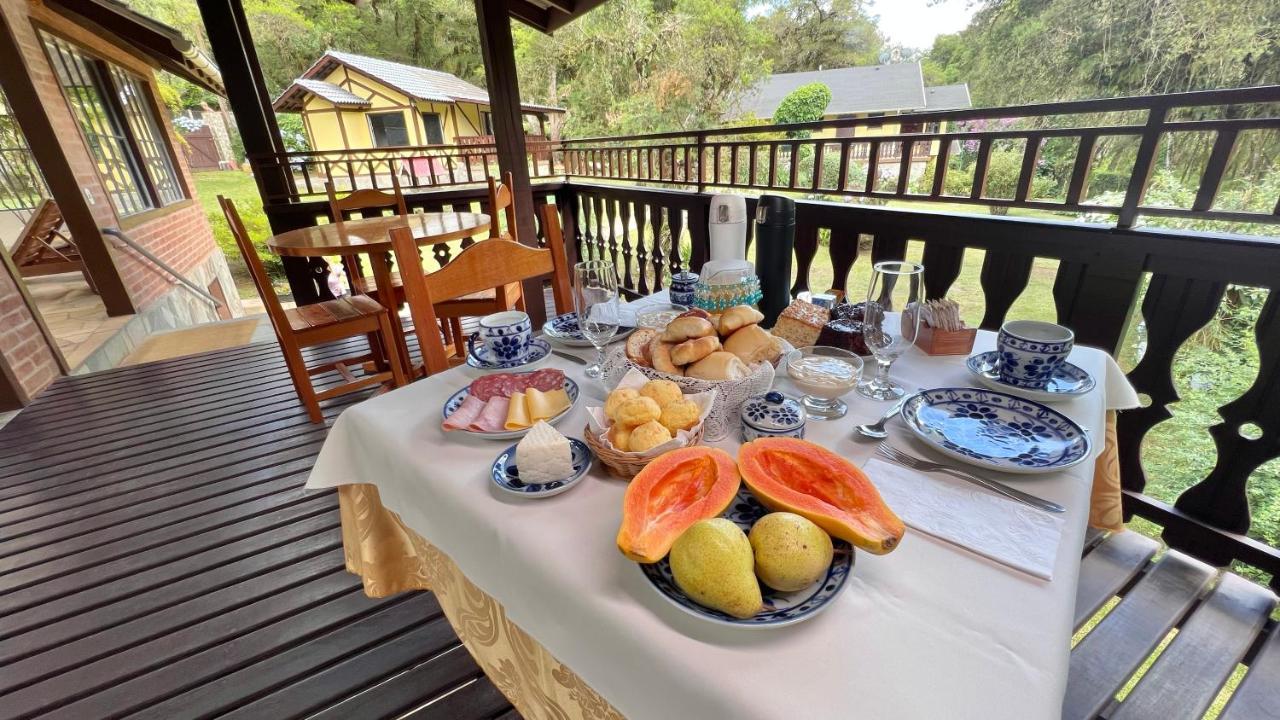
(699, 236)
(1174, 309)
(942, 264)
(627, 255)
(611, 213)
(1004, 277)
(659, 259)
(806, 247)
(675, 221)
(642, 252)
(843, 249)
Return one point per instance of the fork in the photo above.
(910, 461)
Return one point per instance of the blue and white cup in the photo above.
(1031, 351)
(507, 335)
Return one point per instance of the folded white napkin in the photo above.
(976, 519)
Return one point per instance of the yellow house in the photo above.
(350, 101)
(866, 92)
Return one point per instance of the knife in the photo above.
(568, 356)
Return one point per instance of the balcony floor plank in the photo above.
(159, 558)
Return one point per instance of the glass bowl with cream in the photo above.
(824, 375)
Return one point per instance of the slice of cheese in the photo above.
(543, 455)
(543, 406)
(517, 413)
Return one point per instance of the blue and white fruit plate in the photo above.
(780, 608)
(995, 430)
(1067, 382)
(481, 358)
(506, 474)
(455, 401)
(564, 330)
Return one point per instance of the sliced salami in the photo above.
(546, 380)
(506, 384)
(490, 386)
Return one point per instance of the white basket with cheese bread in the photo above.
(729, 353)
(643, 418)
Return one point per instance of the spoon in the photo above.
(876, 429)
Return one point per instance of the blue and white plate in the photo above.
(564, 330)
(455, 401)
(995, 430)
(481, 358)
(506, 475)
(1068, 381)
(780, 608)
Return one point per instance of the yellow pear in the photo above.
(791, 552)
(713, 565)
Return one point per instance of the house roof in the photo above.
(415, 82)
(152, 39)
(876, 88)
(947, 97)
(332, 93)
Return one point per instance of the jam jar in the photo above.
(773, 414)
(682, 287)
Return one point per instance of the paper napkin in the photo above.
(976, 519)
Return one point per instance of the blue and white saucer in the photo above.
(455, 401)
(995, 430)
(564, 330)
(780, 608)
(481, 358)
(1068, 381)
(506, 476)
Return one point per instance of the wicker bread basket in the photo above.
(626, 465)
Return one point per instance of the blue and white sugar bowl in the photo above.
(773, 414)
(682, 287)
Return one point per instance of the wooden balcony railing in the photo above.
(1126, 132)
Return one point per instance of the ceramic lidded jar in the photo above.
(774, 414)
(682, 287)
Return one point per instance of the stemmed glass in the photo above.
(595, 299)
(894, 284)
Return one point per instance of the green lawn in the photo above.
(1209, 371)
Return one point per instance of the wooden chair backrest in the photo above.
(489, 263)
(261, 281)
(366, 199)
(43, 229)
(502, 199)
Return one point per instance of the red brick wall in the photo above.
(22, 343)
(181, 238)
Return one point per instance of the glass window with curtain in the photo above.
(388, 129)
(121, 130)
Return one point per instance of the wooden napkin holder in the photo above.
(946, 342)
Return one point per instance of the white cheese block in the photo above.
(543, 455)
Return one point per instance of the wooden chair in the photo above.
(501, 199)
(325, 322)
(44, 249)
(489, 263)
(362, 200)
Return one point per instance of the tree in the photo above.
(807, 103)
(817, 34)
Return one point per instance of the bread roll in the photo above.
(753, 344)
(738, 317)
(660, 355)
(638, 346)
(718, 366)
(695, 312)
(691, 351)
(687, 328)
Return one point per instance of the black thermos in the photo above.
(775, 240)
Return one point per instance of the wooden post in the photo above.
(27, 106)
(232, 46)
(508, 129)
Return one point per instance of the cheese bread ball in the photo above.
(637, 411)
(648, 436)
(679, 415)
(620, 436)
(616, 398)
(663, 392)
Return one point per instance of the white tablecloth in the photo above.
(928, 631)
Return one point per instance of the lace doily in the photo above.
(726, 412)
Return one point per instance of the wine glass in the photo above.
(595, 299)
(888, 334)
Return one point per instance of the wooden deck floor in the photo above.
(159, 558)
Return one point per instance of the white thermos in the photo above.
(728, 227)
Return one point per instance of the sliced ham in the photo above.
(466, 414)
(493, 417)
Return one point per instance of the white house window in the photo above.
(388, 129)
(122, 133)
(435, 131)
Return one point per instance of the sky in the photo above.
(915, 23)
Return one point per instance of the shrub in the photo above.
(807, 103)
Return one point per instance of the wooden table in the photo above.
(371, 236)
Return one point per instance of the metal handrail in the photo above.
(199, 291)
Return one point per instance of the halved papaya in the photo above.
(675, 490)
(810, 480)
